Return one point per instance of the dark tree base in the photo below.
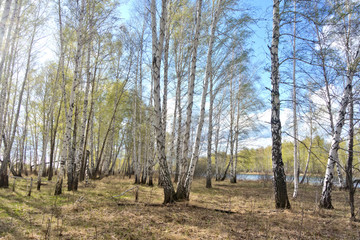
(181, 195)
(169, 196)
(4, 181)
(137, 180)
(58, 188)
(281, 197)
(143, 180)
(75, 184)
(208, 183)
(150, 183)
(325, 202)
(70, 184)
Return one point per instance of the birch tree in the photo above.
(157, 48)
(294, 102)
(184, 180)
(4, 18)
(11, 40)
(346, 32)
(63, 157)
(3, 171)
(281, 197)
(350, 159)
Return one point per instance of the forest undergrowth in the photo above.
(244, 210)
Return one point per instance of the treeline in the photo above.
(258, 160)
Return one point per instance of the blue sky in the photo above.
(260, 40)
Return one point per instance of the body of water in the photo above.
(263, 177)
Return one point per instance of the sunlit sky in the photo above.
(259, 41)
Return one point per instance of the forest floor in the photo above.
(244, 210)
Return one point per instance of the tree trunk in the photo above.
(352, 62)
(310, 146)
(4, 18)
(80, 149)
(134, 135)
(210, 133)
(68, 120)
(296, 164)
(4, 54)
(208, 70)
(23, 138)
(212, 98)
(325, 201)
(179, 68)
(140, 154)
(217, 139)
(53, 143)
(4, 182)
(234, 174)
(157, 45)
(184, 179)
(45, 139)
(231, 129)
(349, 165)
(281, 197)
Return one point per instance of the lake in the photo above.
(260, 177)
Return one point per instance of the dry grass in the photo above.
(92, 213)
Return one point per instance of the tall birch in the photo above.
(3, 171)
(66, 139)
(294, 102)
(157, 48)
(352, 60)
(77, 76)
(184, 180)
(208, 69)
(281, 197)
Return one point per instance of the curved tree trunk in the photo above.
(325, 201)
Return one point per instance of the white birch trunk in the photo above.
(281, 198)
(3, 171)
(45, 141)
(67, 136)
(157, 47)
(75, 83)
(310, 145)
(184, 180)
(4, 55)
(352, 54)
(296, 164)
(231, 129)
(234, 177)
(4, 18)
(210, 134)
(325, 201)
(80, 150)
(208, 72)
